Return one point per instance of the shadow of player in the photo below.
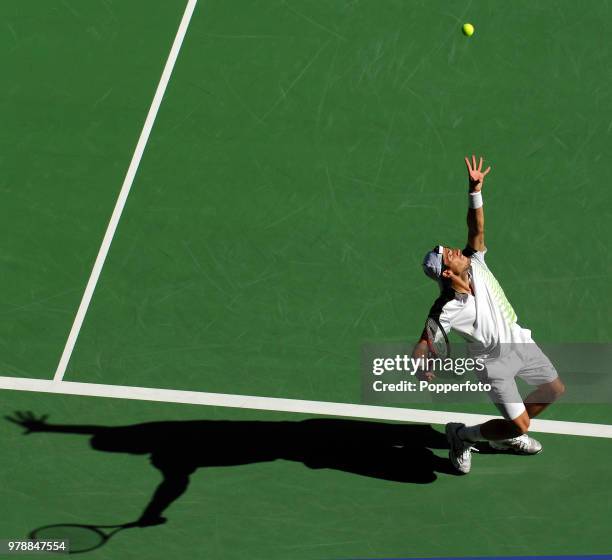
(395, 452)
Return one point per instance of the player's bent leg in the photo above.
(509, 434)
(544, 396)
(536, 370)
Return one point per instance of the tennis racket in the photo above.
(81, 538)
(437, 341)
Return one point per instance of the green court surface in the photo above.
(305, 156)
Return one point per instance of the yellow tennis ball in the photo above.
(468, 29)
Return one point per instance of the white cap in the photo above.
(432, 263)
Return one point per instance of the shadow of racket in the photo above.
(80, 538)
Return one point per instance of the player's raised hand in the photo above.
(475, 174)
(28, 421)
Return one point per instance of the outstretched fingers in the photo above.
(475, 170)
(22, 418)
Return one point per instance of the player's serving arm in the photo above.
(472, 304)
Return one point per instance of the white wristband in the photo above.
(475, 199)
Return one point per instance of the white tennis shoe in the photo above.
(460, 452)
(522, 445)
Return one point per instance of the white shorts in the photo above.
(525, 360)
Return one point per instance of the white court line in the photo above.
(289, 405)
(125, 190)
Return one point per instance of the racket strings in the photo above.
(436, 339)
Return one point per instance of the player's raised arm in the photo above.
(33, 424)
(475, 215)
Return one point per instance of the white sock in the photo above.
(470, 433)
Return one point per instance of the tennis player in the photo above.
(472, 304)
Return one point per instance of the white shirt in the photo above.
(485, 319)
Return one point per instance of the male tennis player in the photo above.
(472, 304)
